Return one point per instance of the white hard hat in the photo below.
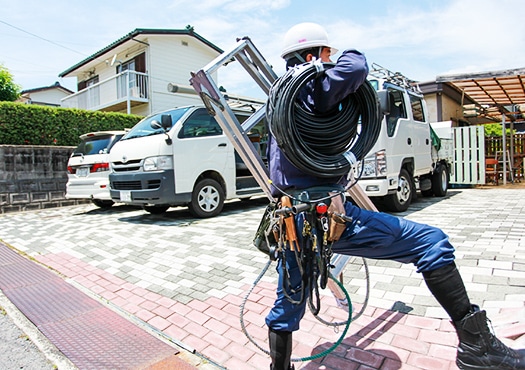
(304, 36)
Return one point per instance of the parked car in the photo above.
(88, 168)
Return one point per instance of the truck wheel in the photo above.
(102, 203)
(440, 181)
(207, 199)
(401, 199)
(155, 210)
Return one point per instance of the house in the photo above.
(446, 103)
(131, 75)
(48, 95)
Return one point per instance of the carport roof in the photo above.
(494, 91)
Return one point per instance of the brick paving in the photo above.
(186, 278)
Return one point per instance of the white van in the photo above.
(88, 168)
(181, 157)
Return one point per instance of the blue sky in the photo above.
(419, 38)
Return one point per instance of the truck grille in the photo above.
(135, 185)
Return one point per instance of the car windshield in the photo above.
(143, 128)
(94, 145)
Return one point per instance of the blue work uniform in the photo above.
(370, 234)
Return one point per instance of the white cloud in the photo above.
(421, 38)
(454, 36)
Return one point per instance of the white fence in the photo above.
(469, 155)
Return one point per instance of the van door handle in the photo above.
(222, 144)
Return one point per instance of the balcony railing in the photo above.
(115, 93)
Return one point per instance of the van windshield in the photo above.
(143, 128)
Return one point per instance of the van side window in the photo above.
(417, 109)
(199, 124)
(397, 110)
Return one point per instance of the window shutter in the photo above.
(81, 85)
(140, 63)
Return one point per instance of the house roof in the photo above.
(494, 91)
(56, 85)
(136, 32)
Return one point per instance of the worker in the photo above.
(370, 234)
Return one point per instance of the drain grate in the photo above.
(90, 334)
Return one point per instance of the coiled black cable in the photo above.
(320, 144)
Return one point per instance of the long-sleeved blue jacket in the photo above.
(321, 95)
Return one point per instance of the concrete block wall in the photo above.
(33, 177)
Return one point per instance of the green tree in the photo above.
(494, 129)
(9, 91)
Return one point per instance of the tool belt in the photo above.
(267, 236)
(321, 216)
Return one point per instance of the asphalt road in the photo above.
(17, 350)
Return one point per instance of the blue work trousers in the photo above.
(372, 235)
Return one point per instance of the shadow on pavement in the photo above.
(355, 346)
(181, 215)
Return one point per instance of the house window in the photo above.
(90, 98)
(92, 81)
(125, 81)
(129, 82)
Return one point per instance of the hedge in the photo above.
(23, 124)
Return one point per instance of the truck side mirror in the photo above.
(384, 101)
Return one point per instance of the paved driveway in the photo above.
(186, 277)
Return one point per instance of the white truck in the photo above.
(181, 157)
(409, 155)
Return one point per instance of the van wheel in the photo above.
(440, 181)
(207, 199)
(102, 203)
(155, 210)
(401, 199)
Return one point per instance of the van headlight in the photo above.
(162, 162)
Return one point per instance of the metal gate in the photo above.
(469, 155)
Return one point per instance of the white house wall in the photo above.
(171, 59)
(50, 96)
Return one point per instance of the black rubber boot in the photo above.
(480, 349)
(447, 286)
(280, 349)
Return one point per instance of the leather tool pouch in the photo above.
(263, 235)
(337, 227)
(337, 224)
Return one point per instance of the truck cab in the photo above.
(404, 159)
(181, 157)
